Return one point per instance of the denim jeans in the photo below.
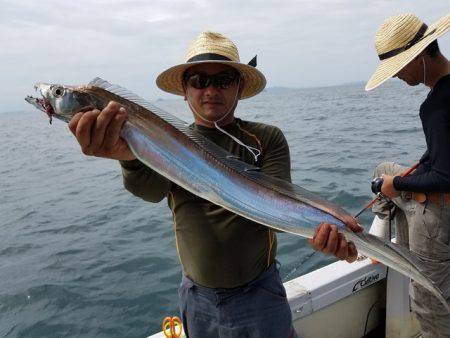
(257, 309)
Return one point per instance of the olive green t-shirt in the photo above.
(218, 248)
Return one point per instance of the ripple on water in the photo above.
(14, 250)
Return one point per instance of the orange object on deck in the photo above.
(172, 327)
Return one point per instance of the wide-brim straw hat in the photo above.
(399, 40)
(210, 47)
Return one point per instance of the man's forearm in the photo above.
(144, 182)
(429, 181)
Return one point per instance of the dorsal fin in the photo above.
(129, 95)
(99, 82)
(116, 89)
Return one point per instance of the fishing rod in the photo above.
(376, 188)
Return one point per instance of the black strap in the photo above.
(213, 56)
(419, 36)
(252, 62)
(208, 56)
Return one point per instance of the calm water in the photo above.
(80, 256)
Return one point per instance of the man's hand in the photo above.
(328, 240)
(387, 189)
(98, 132)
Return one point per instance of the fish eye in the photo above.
(57, 91)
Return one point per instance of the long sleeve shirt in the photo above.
(433, 174)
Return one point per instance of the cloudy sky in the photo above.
(303, 43)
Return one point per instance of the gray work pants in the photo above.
(425, 229)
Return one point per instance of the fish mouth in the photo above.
(41, 104)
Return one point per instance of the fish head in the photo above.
(61, 101)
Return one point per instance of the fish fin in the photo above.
(130, 96)
(99, 82)
(120, 91)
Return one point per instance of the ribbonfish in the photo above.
(169, 146)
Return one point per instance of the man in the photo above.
(231, 285)
(408, 49)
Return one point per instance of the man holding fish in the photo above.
(231, 285)
(214, 173)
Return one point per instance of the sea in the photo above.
(82, 257)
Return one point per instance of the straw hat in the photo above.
(210, 47)
(399, 40)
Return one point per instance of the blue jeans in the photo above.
(258, 309)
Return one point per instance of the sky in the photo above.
(305, 43)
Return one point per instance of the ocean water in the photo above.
(80, 256)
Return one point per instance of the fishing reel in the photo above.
(376, 185)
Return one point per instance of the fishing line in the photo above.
(303, 261)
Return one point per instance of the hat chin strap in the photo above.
(424, 70)
(254, 151)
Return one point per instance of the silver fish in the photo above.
(169, 146)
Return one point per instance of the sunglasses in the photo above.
(222, 80)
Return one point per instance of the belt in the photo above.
(439, 198)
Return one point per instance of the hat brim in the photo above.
(387, 68)
(171, 79)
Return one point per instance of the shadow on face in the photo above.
(412, 73)
(210, 102)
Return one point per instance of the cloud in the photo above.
(299, 43)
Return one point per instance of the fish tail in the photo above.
(399, 258)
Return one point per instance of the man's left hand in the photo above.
(328, 240)
(388, 189)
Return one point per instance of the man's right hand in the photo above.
(98, 132)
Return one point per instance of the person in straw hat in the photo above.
(231, 285)
(408, 49)
(227, 260)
